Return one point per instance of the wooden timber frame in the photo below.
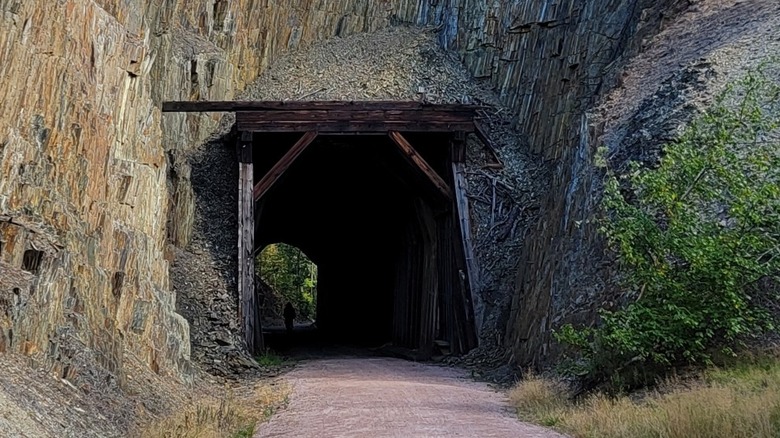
(436, 285)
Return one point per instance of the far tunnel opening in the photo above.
(377, 231)
(285, 275)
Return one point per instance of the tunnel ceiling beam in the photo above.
(416, 160)
(283, 164)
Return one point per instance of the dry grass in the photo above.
(540, 399)
(728, 403)
(234, 415)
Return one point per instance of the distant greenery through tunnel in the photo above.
(286, 276)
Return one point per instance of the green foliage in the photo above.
(693, 237)
(270, 359)
(292, 276)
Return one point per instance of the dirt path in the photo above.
(378, 397)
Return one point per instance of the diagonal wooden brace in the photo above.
(419, 162)
(283, 164)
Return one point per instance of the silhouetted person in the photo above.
(289, 317)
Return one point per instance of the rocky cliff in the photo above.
(87, 196)
(550, 61)
(92, 190)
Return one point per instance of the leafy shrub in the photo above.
(693, 238)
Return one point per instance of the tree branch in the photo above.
(695, 181)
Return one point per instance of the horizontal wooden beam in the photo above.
(387, 115)
(337, 126)
(232, 106)
(419, 162)
(339, 117)
(283, 164)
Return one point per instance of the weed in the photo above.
(270, 359)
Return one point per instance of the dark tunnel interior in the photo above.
(348, 202)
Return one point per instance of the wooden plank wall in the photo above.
(429, 281)
(403, 292)
(446, 326)
(432, 292)
(417, 284)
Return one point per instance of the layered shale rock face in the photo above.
(569, 70)
(85, 157)
(82, 191)
(549, 60)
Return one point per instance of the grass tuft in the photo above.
(727, 403)
(230, 416)
(270, 359)
(541, 398)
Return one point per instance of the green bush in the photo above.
(693, 238)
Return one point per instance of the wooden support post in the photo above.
(283, 164)
(458, 146)
(418, 162)
(248, 305)
(471, 273)
(452, 320)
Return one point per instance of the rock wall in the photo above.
(90, 187)
(82, 185)
(550, 60)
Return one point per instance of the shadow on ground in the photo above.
(307, 342)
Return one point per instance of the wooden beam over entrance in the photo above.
(283, 164)
(249, 312)
(339, 116)
(345, 117)
(310, 105)
(419, 162)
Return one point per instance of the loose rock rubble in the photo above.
(203, 274)
(35, 403)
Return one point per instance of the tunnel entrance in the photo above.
(351, 203)
(374, 194)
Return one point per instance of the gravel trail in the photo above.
(379, 397)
